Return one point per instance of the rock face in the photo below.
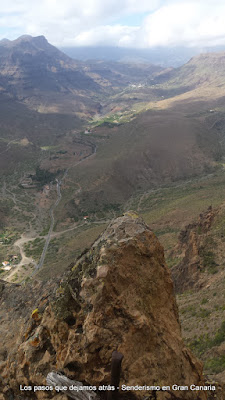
(119, 295)
(189, 273)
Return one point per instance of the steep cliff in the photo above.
(118, 295)
(197, 257)
(199, 282)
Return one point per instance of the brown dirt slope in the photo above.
(157, 147)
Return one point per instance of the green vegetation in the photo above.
(112, 120)
(53, 249)
(44, 176)
(204, 300)
(8, 237)
(172, 261)
(45, 230)
(203, 313)
(208, 257)
(204, 342)
(34, 248)
(215, 365)
(193, 311)
(62, 152)
(15, 277)
(189, 309)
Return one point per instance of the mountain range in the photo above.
(83, 142)
(33, 71)
(140, 102)
(164, 56)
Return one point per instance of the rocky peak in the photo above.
(34, 46)
(38, 41)
(118, 296)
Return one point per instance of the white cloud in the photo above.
(185, 23)
(94, 22)
(61, 21)
(115, 35)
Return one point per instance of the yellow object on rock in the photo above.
(35, 314)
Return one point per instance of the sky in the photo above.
(123, 23)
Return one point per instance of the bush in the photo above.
(215, 365)
(220, 335)
(44, 176)
(204, 342)
(208, 258)
(204, 313)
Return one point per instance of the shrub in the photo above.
(215, 365)
(208, 259)
(204, 342)
(204, 313)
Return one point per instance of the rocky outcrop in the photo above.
(189, 273)
(118, 296)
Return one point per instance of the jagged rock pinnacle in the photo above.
(118, 295)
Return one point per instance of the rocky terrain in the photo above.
(199, 282)
(191, 272)
(105, 137)
(118, 295)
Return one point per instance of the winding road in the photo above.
(25, 239)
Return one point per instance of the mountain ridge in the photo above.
(31, 65)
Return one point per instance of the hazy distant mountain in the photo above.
(166, 57)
